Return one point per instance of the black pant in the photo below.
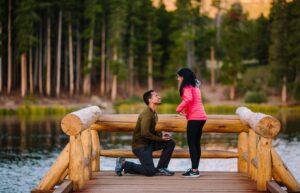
(194, 133)
(144, 154)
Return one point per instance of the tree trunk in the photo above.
(9, 61)
(58, 59)
(114, 87)
(131, 61)
(284, 91)
(36, 64)
(71, 67)
(114, 78)
(23, 74)
(107, 73)
(78, 62)
(41, 62)
(30, 72)
(103, 39)
(1, 58)
(150, 62)
(87, 78)
(232, 92)
(191, 50)
(48, 84)
(212, 68)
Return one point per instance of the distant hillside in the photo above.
(254, 7)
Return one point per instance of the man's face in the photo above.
(155, 98)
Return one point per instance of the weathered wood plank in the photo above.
(176, 154)
(170, 122)
(273, 187)
(65, 187)
(219, 182)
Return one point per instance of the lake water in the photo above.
(29, 146)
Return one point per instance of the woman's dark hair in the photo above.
(189, 79)
(147, 95)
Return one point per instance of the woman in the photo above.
(191, 106)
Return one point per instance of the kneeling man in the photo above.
(146, 140)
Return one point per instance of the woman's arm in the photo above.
(186, 99)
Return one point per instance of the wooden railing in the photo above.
(81, 156)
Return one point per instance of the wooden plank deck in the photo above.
(219, 182)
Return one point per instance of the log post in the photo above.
(264, 125)
(251, 154)
(264, 172)
(242, 149)
(76, 167)
(76, 122)
(86, 139)
(56, 171)
(95, 151)
(282, 171)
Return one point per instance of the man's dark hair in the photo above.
(147, 95)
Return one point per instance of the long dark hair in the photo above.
(189, 79)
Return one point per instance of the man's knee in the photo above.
(172, 143)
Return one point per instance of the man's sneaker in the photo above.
(119, 166)
(191, 173)
(164, 172)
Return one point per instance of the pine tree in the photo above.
(278, 49)
(293, 48)
(233, 40)
(91, 9)
(26, 16)
(117, 15)
(184, 35)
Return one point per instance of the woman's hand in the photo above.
(182, 113)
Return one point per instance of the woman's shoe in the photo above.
(191, 173)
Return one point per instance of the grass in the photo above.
(167, 108)
(26, 110)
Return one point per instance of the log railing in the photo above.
(81, 156)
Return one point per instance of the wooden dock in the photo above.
(220, 182)
(259, 167)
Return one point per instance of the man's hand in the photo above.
(166, 136)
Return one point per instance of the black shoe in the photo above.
(164, 172)
(119, 166)
(191, 173)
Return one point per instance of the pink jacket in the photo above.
(192, 104)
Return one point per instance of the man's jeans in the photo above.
(144, 154)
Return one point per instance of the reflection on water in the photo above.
(29, 146)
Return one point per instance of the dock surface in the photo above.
(219, 182)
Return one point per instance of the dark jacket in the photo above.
(144, 131)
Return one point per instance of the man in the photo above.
(146, 140)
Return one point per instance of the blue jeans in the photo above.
(144, 154)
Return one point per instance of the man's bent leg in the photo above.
(146, 167)
(168, 148)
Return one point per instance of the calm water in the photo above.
(29, 146)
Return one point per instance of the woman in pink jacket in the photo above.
(191, 106)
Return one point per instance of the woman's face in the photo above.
(180, 79)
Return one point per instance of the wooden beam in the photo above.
(242, 149)
(56, 171)
(251, 155)
(76, 166)
(264, 125)
(264, 168)
(273, 187)
(170, 122)
(284, 173)
(76, 122)
(95, 151)
(176, 154)
(65, 187)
